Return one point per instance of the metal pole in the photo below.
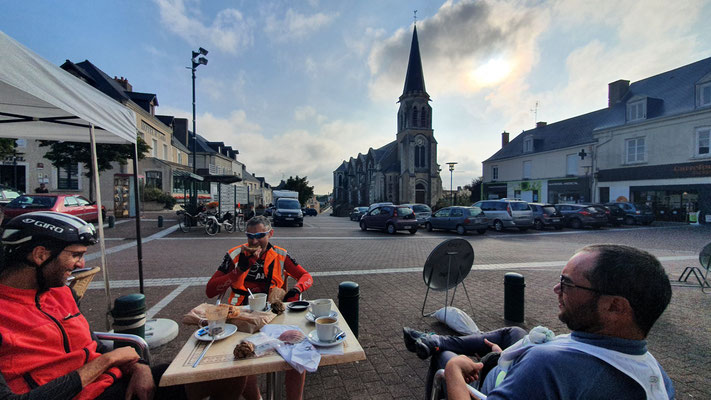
(139, 240)
(193, 197)
(451, 188)
(100, 223)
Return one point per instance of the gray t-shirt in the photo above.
(547, 372)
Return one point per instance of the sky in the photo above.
(300, 86)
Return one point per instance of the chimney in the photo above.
(180, 130)
(616, 91)
(124, 84)
(504, 138)
(541, 124)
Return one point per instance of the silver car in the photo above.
(505, 213)
(423, 212)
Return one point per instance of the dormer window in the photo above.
(703, 94)
(528, 144)
(636, 111)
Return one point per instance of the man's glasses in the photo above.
(257, 235)
(566, 283)
(76, 255)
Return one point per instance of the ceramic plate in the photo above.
(269, 307)
(298, 305)
(310, 316)
(313, 338)
(227, 332)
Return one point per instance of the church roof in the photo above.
(414, 79)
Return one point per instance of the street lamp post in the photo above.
(451, 179)
(195, 63)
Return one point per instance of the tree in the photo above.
(300, 185)
(475, 188)
(7, 147)
(63, 154)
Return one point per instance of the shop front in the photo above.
(495, 190)
(670, 202)
(569, 190)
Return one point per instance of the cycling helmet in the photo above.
(27, 230)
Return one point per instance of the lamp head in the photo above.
(202, 60)
(202, 51)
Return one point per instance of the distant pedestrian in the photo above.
(42, 188)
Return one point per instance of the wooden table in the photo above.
(219, 363)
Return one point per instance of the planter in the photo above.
(153, 206)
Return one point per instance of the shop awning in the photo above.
(187, 175)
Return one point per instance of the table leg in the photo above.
(275, 385)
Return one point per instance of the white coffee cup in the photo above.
(327, 328)
(258, 302)
(321, 307)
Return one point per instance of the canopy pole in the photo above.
(139, 240)
(102, 244)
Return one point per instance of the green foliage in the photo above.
(62, 154)
(151, 193)
(300, 185)
(7, 147)
(475, 188)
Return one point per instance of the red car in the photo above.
(64, 203)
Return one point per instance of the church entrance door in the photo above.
(419, 193)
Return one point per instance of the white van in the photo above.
(505, 213)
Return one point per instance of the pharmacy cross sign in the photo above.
(582, 154)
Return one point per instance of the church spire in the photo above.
(415, 79)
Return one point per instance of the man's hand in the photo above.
(141, 384)
(293, 292)
(494, 347)
(460, 371)
(121, 357)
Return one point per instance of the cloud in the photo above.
(308, 113)
(295, 25)
(229, 31)
(464, 48)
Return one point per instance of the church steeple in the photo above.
(415, 79)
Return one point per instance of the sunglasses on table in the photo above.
(257, 235)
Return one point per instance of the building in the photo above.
(653, 147)
(402, 171)
(650, 145)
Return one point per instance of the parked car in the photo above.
(546, 215)
(423, 212)
(269, 211)
(309, 211)
(615, 215)
(7, 194)
(358, 212)
(390, 218)
(505, 213)
(635, 213)
(578, 216)
(372, 206)
(461, 219)
(64, 203)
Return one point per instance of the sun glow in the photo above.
(492, 72)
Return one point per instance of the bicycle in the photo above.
(187, 220)
(239, 222)
(215, 223)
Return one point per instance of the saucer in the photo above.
(313, 338)
(228, 331)
(267, 308)
(312, 318)
(298, 305)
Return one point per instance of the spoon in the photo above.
(215, 331)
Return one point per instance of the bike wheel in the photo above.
(184, 222)
(212, 227)
(240, 224)
(229, 226)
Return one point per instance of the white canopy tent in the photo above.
(39, 100)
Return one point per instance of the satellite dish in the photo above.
(448, 264)
(705, 257)
(446, 267)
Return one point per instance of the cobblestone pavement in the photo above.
(388, 270)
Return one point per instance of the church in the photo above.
(402, 171)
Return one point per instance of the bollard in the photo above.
(160, 221)
(129, 314)
(112, 221)
(348, 297)
(514, 286)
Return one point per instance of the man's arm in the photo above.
(69, 385)
(227, 273)
(459, 372)
(303, 278)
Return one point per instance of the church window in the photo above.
(423, 118)
(414, 116)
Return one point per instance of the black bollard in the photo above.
(112, 221)
(348, 297)
(160, 221)
(514, 287)
(129, 314)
